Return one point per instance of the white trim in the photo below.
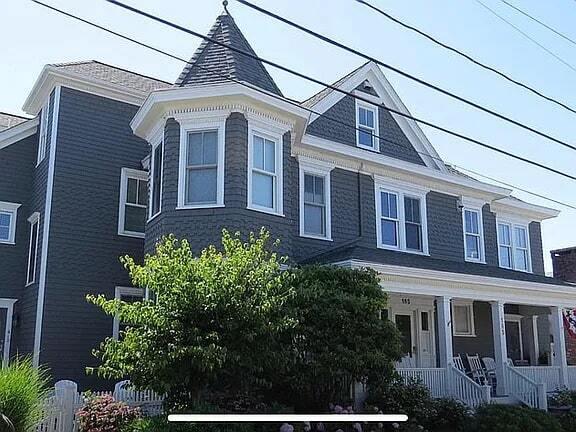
(535, 338)
(46, 229)
(401, 191)
(306, 166)
(187, 125)
(470, 306)
(478, 210)
(12, 210)
(514, 208)
(18, 133)
(119, 292)
(7, 304)
(513, 224)
(155, 144)
(125, 174)
(278, 191)
(375, 130)
(516, 319)
(34, 221)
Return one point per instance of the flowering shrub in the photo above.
(105, 414)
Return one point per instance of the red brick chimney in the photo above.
(564, 264)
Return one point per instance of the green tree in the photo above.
(213, 323)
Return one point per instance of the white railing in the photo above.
(433, 378)
(572, 377)
(464, 389)
(524, 389)
(543, 374)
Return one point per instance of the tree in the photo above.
(214, 321)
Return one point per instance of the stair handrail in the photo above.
(524, 389)
(465, 389)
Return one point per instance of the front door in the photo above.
(404, 324)
(514, 340)
(426, 354)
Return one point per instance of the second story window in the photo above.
(473, 235)
(265, 173)
(156, 179)
(513, 246)
(413, 223)
(32, 248)
(315, 217)
(367, 126)
(44, 132)
(8, 213)
(133, 199)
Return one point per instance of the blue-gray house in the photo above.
(112, 160)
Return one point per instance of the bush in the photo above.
(104, 413)
(564, 398)
(23, 390)
(511, 418)
(449, 415)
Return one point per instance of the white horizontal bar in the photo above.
(237, 418)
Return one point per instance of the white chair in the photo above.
(490, 368)
(476, 369)
(458, 363)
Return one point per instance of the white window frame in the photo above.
(319, 169)
(151, 190)
(514, 223)
(278, 197)
(34, 221)
(43, 136)
(401, 190)
(476, 209)
(470, 306)
(127, 173)
(12, 209)
(376, 129)
(198, 125)
(118, 293)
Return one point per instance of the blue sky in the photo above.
(33, 36)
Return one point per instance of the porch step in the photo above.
(505, 400)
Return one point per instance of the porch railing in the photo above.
(433, 378)
(524, 389)
(463, 388)
(572, 377)
(543, 374)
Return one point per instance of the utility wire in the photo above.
(526, 35)
(401, 72)
(467, 56)
(543, 24)
(248, 85)
(333, 87)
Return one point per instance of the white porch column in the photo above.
(500, 349)
(444, 331)
(559, 354)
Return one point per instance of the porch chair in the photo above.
(476, 369)
(458, 363)
(490, 370)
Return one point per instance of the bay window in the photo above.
(265, 173)
(156, 179)
(133, 200)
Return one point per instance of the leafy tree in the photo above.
(213, 323)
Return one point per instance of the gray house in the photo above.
(113, 160)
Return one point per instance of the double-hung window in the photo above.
(265, 173)
(513, 246)
(315, 217)
(44, 132)
(473, 234)
(8, 213)
(133, 200)
(366, 125)
(413, 223)
(463, 318)
(156, 179)
(128, 295)
(32, 248)
(389, 218)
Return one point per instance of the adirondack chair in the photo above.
(458, 363)
(476, 369)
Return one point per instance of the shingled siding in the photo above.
(393, 142)
(490, 236)
(94, 143)
(445, 235)
(536, 253)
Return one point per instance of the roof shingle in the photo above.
(9, 120)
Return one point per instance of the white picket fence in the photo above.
(61, 408)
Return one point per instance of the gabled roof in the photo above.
(10, 120)
(211, 63)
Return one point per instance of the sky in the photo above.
(33, 36)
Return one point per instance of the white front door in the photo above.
(426, 352)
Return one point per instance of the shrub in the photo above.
(23, 389)
(104, 413)
(449, 415)
(511, 418)
(564, 398)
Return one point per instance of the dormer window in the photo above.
(367, 126)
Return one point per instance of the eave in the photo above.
(18, 132)
(521, 209)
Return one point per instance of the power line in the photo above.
(403, 73)
(543, 24)
(467, 56)
(332, 87)
(526, 35)
(290, 101)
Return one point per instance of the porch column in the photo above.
(500, 349)
(559, 354)
(444, 331)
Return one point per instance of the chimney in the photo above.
(564, 264)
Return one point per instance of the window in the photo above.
(473, 235)
(367, 125)
(8, 213)
(265, 173)
(32, 248)
(315, 200)
(44, 132)
(463, 319)
(424, 319)
(133, 199)
(156, 179)
(401, 219)
(128, 295)
(513, 246)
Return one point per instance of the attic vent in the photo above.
(366, 85)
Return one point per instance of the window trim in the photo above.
(401, 190)
(150, 216)
(278, 140)
(376, 134)
(34, 220)
(513, 224)
(319, 169)
(43, 135)
(478, 210)
(191, 125)
(125, 174)
(12, 208)
(119, 291)
(470, 305)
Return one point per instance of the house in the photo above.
(113, 160)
